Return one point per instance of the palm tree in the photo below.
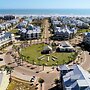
(28, 57)
(33, 62)
(9, 71)
(43, 66)
(22, 58)
(30, 42)
(56, 81)
(41, 81)
(81, 59)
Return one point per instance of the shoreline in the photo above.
(46, 15)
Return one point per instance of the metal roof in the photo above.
(76, 78)
(5, 35)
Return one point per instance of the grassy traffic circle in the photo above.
(32, 54)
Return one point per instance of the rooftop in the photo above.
(78, 77)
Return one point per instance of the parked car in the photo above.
(32, 79)
(89, 53)
(1, 59)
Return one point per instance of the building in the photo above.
(32, 32)
(65, 47)
(22, 24)
(64, 33)
(5, 39)
(86, 38)
(4, 80)
(7, 25)
(46, 50)
(75, 78)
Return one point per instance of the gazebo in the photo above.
(46, 50)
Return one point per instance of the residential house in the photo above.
(6, 38)
(86, 38)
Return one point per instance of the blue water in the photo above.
(46, 11)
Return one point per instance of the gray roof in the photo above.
(76, 78)
(5, 35)
(64, 67)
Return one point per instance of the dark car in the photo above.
(1, 59)
(89, 53)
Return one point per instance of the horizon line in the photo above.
(44, 8)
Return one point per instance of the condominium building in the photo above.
(74, 78)
(32, 32)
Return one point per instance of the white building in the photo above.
(64, 33)
(6, 38)
(65, 47)
(32, 32)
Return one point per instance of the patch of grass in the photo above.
(34, 52)
(14, 31)
(83, 30)
(16, 85)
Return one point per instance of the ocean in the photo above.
(46, 11)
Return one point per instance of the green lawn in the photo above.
(14, 31)
(16, 85)
(34, 52)
(83, 30)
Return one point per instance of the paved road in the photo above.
(86, 62)
(46, 32)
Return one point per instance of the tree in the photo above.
(9, 71)
(41, 81)
(56, 81)
(43, 66)
(22, 59)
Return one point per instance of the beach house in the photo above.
(86, 38)
(31, 32)
(22, 24)
(74, 78)
(6, 38)
(64, 33)
(2, 27)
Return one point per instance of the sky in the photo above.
(44, 4)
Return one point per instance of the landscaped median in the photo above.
(83, 30)
(32, 54)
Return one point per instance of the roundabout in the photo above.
(32, 54)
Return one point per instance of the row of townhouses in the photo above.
(80, 22)
(8, 24)
(64, 33)
(32, 32)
